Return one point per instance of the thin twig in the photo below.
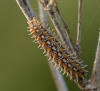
(26, 9)
(58, 79)
(66, 29)
(95, 78)
(56, 23)
(79, 27)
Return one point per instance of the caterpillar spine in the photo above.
(55, 51)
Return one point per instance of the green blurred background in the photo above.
(23, 67)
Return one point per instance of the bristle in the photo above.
(70, 77)
(39, 46)
(64, 72)
(44, 52)
(49, 58)
(67, 74)
(56, 51)
(82, 76)
(33, 36)
(61, 69)
(28, 30)
(37, 42)
(55, 64)
(52, 61)
(34, 40)
(30, 33)
(80, 62)
(57, 68)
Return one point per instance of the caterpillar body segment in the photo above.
(55, 51)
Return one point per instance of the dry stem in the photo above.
(26, 9)
(79, 27)
(95, 77)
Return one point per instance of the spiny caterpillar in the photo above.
(55, 51)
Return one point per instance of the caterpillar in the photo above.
(55, 51)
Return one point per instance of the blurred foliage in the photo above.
(23, 67)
